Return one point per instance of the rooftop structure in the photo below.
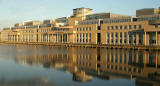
(32, 23)
(62, 20)
(103, 16)
(48, 21)
(82, 11)
(147, 11)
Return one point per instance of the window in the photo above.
(112, 37)
(108, 27)
(135, 26)
(130, 27)
(108, 37)
(99, 27)
(121, 27)
(80, 29)
(89, 37)
(116, 27)
(156, 26)
(112, 27)
(130, 39)
(80, 37)
(86, 29)
(77, 38)
(112, 58)
(140, 26)
(83, 37)
(121, 37)
(116, 37)
(125, 37)
(83, 29)
(86, 37)
(125, 27)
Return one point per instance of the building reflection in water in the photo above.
(106, 64)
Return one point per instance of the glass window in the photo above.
(108, 37)
(121, 27)
(140, 26)
(86, 28)
(116, 37)
(77, 38)
(80, 29)
(112, 27)
(135, 26)
(116, 34)
(112, 37)
(80, 36)
(156, 26)
(125, 27)
(108, 27)
(89, 37)
(116, 27)
(90, 28)
(86, 37)
(130, 27)
(83, 29)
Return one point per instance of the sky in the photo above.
(17, 11)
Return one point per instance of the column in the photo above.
(84, 37)
(73, 37)
(62, 38)
(41, 37)
(17, 38)
(122, 38)
(67, 38)
(144, 38)
(118, 37)
(132, 39)
(28, 37)
(57, 38)
(137, 39)
(137, 55)
(48, 38)
(127, 39)
(14, 38)
(147, 39)
(113, 38)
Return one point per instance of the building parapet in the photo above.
(87, 22)
(60, 29)
(65, 28)
(147, 11)
(103, 16)
(149, 17)
(120, 19)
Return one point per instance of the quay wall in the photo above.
(133, 47)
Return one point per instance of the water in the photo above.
(24, 65)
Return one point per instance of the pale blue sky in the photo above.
(17, 11)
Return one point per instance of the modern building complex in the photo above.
(84, 27)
